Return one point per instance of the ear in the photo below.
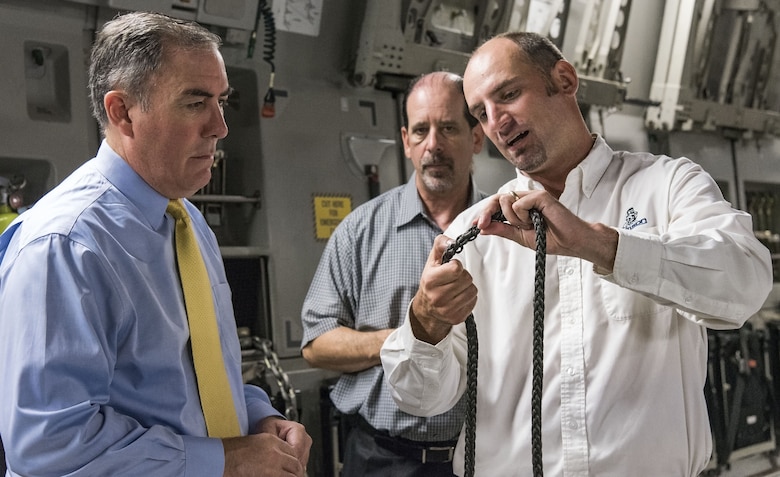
(565, 77)
(118, 110)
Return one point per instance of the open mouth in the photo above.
(517, 139)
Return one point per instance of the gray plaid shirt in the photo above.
(368, 274)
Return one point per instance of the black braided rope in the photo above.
(472, 353)
(538, 350)
(472, 350)
(538, 344)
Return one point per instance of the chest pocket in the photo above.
(623, 304)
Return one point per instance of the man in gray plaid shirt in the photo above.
(368, 274)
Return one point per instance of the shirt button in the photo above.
(569, 271)
(573, 425)
(634, 278)
(570, 371)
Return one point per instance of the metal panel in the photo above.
(394, 40)
(46, 145)
(714, 67)
(239, 14)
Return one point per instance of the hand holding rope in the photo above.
(538, 347)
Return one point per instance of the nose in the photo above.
(496, 121)
(217, 126)
(433, 142)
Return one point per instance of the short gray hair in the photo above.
(129, 50)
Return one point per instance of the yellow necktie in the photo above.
(213, 386)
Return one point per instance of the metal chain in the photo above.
(271, 361)
(538, 349)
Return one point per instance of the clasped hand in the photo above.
(279, 448)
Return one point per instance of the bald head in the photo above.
(438, 81)
(533, 49)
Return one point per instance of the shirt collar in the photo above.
(586, 175)
(117, 171)
(594, 165)
(411, 205)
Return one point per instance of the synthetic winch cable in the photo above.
(538, 349)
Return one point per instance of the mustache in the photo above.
(436, 160)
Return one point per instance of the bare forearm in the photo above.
(601, 247)
(431, 331)
(346, 350)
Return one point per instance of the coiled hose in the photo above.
(269, 49)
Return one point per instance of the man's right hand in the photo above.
(446, 296)
(260, 455)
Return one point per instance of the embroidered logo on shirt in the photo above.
(632, 221)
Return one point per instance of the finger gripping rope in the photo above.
(538, 349)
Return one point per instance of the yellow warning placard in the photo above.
(329, 210)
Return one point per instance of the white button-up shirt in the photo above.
(625, 354)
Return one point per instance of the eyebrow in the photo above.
(206, 94)
(499, 87)
(428, 123)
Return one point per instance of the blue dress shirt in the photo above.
(96, 371)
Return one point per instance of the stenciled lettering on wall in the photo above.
(329, 211)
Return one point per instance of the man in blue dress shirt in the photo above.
(95, 345)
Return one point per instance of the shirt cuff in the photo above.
(418, 346)
(637, 262)
(258, 406)
(203, 456)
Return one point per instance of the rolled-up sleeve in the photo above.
(425, 379)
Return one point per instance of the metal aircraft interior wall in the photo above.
(299, 153)
(48, 132)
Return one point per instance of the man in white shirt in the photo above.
(644, 255)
